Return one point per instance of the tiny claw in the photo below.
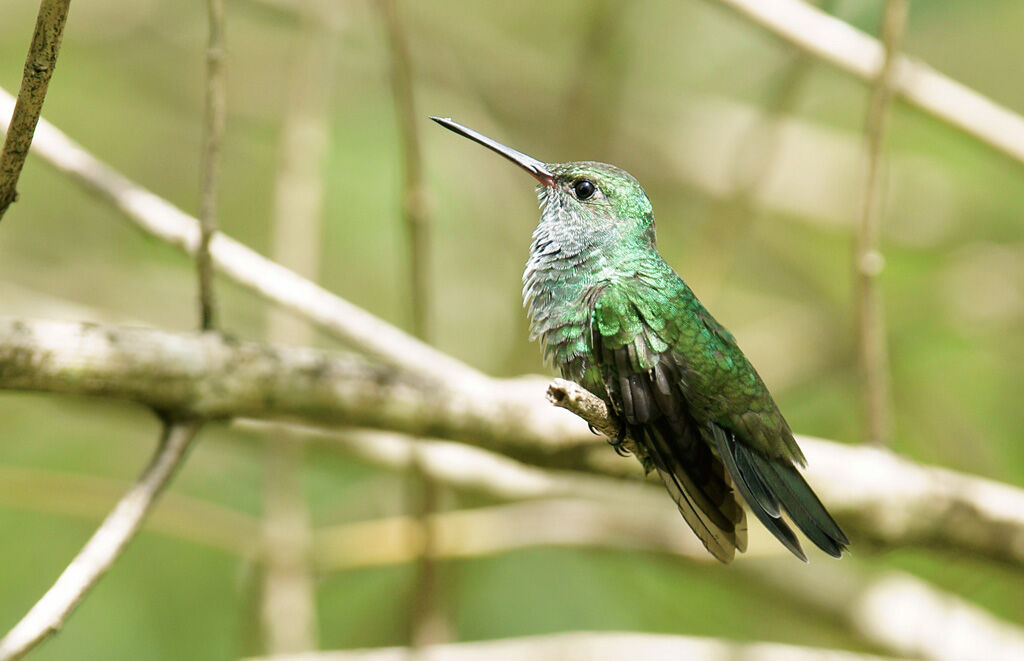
(617, 443)
(593, 429)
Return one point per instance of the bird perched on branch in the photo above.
(613, 316)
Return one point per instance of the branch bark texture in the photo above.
(39, 66)
(878, 496)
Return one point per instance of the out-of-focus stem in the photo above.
(288, 599)
(427, 622)
(213, 133)
(868, 260)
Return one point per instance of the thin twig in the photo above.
(868, 260)
(103, 548)
(414, 198)
(857, 53)
(427, 622)
(213, 133)
(39, 66)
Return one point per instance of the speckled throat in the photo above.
(562, 271)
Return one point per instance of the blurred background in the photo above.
(752, 155)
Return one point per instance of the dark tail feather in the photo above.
(804, 508)
(774, 524)
(699, 485)
(766, 485)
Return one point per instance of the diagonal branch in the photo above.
(158, 217)
(39, 65)
(103, 548)
(851, 50)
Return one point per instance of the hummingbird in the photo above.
(613, 316)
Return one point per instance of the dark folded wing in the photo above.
(642, 384)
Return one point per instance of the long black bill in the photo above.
(539, 170)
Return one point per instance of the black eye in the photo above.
(584, 189)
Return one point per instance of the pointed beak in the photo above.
(539, 170)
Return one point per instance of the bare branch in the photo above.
(212, 377)
(39, 66)
(867, 260)
(213, 129)
(102, 549)
(592, 646)
(877, 496)
(158, 217)
(917, 83)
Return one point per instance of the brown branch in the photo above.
(868, 260)
(213, 133)
(39, 66)
(102, 549)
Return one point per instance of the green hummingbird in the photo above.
(613, 316)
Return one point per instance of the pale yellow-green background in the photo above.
(662, 88)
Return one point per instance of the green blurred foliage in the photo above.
(562, 81)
